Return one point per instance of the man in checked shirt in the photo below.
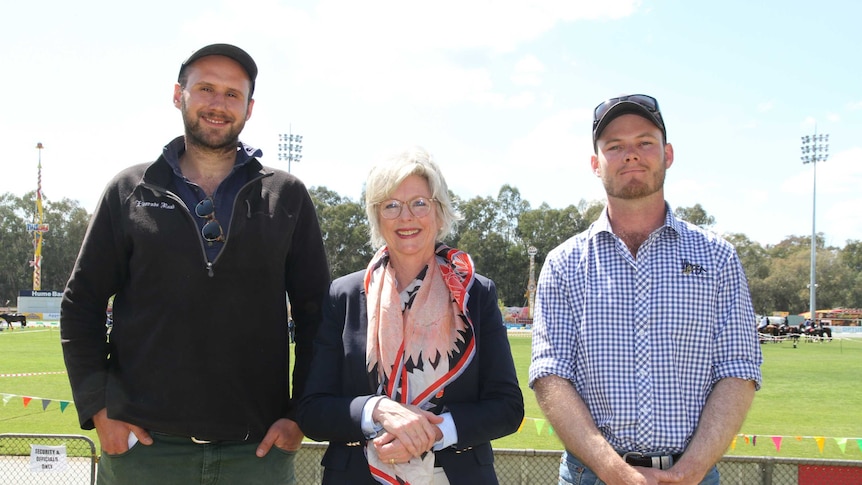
(645, 355)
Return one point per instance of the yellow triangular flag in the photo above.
(820, 441)
(733, 443)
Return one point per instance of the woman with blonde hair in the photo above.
(412, 374)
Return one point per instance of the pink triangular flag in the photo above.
(777, 441)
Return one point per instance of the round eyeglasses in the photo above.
(418, 206)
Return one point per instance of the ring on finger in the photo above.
(392, 461)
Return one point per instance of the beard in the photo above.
(636, 189)
(207, 138)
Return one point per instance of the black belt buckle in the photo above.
(649, 460)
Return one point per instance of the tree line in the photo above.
(496, 231)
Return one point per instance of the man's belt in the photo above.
(650, 460)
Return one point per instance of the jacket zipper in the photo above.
(209, 264)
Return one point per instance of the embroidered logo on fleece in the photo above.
(692, 268)
(157, 205)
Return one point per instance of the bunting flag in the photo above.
(544, 427)
(539, 424)
(842, 444)
(45, 401)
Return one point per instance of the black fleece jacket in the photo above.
(196, 349)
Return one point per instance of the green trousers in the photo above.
(173, 460)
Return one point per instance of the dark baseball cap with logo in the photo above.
(638, 104)
(227, 50)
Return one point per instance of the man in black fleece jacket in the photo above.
(201, 250)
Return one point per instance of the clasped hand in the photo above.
(408, 431)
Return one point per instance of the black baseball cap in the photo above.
(227, 50)
(638, 104)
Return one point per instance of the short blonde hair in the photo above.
(387, 175)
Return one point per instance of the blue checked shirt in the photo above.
(645, 340)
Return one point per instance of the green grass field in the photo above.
(809, 392)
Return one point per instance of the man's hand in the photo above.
(284, 434)
(114, 434)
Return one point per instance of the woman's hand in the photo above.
(410, 431)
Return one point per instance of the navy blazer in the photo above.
(485, 401)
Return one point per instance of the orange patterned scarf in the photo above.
(415, 348)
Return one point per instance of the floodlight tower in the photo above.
(289, 148)
(815, 149)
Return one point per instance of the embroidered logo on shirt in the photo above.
(157, 205)
(692, 268)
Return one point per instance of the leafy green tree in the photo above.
(344, 226)
(510, 207)
(696, 215)
(15, 272)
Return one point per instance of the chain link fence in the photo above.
(71, 460)
(36, 459)
(540, 467)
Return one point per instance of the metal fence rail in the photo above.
(541, 467)
(514, 467)
(47, 459)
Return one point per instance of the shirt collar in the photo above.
(174, 150)
(603, 223)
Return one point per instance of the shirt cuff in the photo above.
(450, 433)
(369, 428)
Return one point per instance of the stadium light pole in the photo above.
(815, 149)
(289, 148)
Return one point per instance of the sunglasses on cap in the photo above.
(647, 102)
(212, 231)
(641, 104)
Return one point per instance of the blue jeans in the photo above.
(573, 472)
(173, 460)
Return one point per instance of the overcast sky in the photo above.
(501, 92)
